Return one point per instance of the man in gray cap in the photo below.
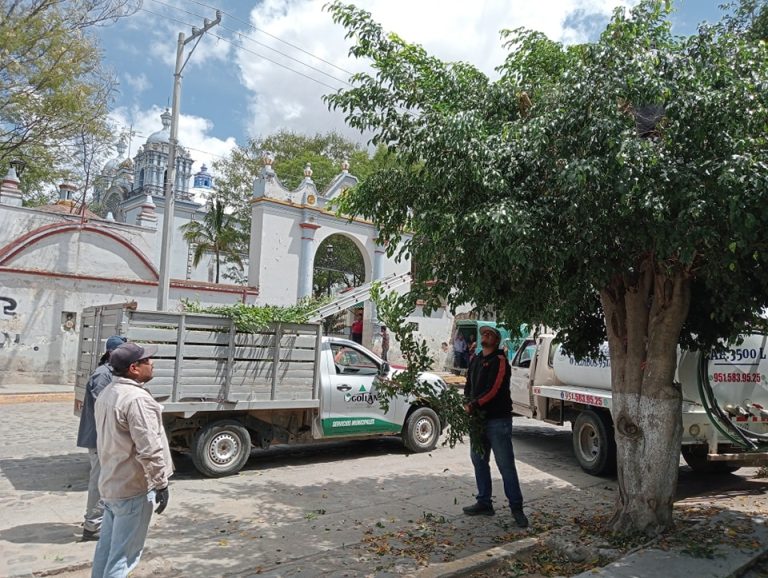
(135, 461)
(488, 400)
(86, 438)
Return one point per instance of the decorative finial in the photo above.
(166, 118)
(267, 158)
(345, 165)
(308, 171)
(122, 146)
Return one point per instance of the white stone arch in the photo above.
(288, 226)
(361, 242)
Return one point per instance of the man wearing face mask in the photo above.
(487, 398)
(135, 461)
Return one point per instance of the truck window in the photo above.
(525, 354)
(351, 361)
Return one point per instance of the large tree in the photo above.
(53, 88)
(616, 189)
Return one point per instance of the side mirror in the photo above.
(384, 369)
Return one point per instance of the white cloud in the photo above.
(448, 29)
(194, 133)
(139, 82)
(159, 24)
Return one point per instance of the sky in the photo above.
(267, 65)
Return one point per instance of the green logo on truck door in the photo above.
(344, 426)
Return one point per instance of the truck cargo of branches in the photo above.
(225, 392)
(724, 408)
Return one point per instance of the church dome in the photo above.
(112, 165)
(164, 134)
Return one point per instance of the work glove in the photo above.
(161, 499)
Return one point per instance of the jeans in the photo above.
(94, 507)
(123, 532)
(497, 438)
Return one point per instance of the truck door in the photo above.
(519, 378)
(354, 407)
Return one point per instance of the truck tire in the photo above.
(696, 458)
(221, 448)
(421, 430)
(594, 444)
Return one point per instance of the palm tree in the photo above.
(218, 233)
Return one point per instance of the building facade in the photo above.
(57, 260)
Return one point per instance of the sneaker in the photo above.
(479, 509)
(520, 518)
(90, 536)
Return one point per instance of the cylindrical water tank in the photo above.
(739, 375)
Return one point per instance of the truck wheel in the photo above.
(594, 444)
(421, 431)
(696, 458)
(221, 448)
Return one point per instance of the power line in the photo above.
(299, 48)
(241, 35)
(241, 47)
(164, 16)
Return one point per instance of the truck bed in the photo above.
(204, 363)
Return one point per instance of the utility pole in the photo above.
(164, 284)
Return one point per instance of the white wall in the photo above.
(53, 265)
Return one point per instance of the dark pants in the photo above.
(357, 338)
(497, 438)
(459, 359)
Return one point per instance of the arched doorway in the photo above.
(339, 266)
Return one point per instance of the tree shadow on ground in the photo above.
(381, 524)
(58, 473)
(42, 533)
(693, 486)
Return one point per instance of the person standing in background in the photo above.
(357, 328)
(86, 438)
(384, 342)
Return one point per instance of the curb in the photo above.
(42, 397)
(728, 562)
(478, 561)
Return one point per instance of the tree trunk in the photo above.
(644, 315)
(218, 260)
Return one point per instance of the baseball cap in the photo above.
(115, 341)
(128, 353)
(489, 329)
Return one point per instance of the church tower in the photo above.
(150, 165)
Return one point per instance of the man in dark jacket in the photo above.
(86, 438)
(487, 398)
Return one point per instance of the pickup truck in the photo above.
(548, 385)
(225, 392)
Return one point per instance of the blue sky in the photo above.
(231, 92)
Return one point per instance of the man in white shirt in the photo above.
(135, 461)
(459, 351)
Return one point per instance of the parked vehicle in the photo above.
(548, 385)
(225, 392)
(470, 329)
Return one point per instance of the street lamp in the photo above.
(18, 166)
